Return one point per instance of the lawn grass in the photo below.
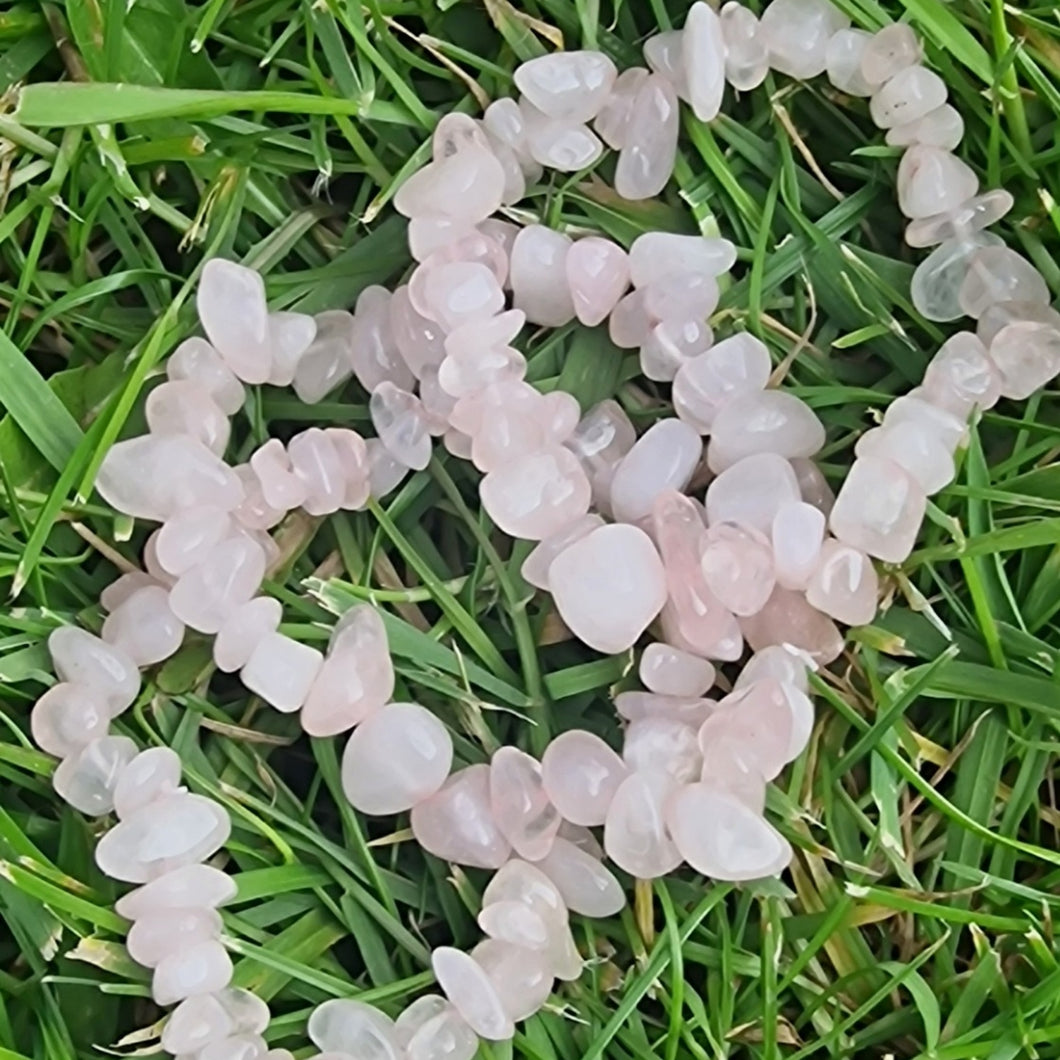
(917, 919)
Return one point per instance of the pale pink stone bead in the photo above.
(205, 596)
(705, 383)
(664, 54)
(581, 774)
(915, 407)
(455, 132)
(504, 124)
(466, 186)
(726, 768)
(189, 537)
(281, 488)
(561, 414)
(385, 472)
(516, 923)
(86, 779)
(797, 535)
(662, 745)
(119, 590)
(327, 363)
(757, 721)
(456, 822)
(787, 664)
(663, 458)
(479, 354)
(352, 452)
(197, 361)
(447, 1036)
(155, 476)
(153, 938)
(400, 421)
(570, 86)
(230, 300)
(419, 340)
(560, 145)
(151, 562)
(608, 587)
(144, 627)
(635, 833)
(437, 404)
(352, 1026)
(429, 234)
(1002, 314)
(535, 495)
(669, 671)
(845, 585)
(205, 1019)
(67, 718)
(520, 976)
(539, 276)
(769, 421)
(612, 121)
(640, 706)
(315, 463)
(374, 354)
(737, 844)
(281, 671)
(649, 149)
(970, 217)
(586, 885)
(658, 256)
(737, 565)
(461, 293)
(290, 335)
(908, 96)
(671, 344)
(788, 619)
(602, 438)
(630, 323)
(932, 181)
(430, 1013)
(597, 275)
(843, 61)
(536, 566)
(746, 54)
(752, 491)
(81, 659)
(680, 296)
(504, 421)
(192, 886)
(794, 698)
(703, 54)
(797, 34)
(999, 274)
(962, 376)
(519, 803)
(200, 969)
(181, 406)
(888, 51)
(1027, 354)
(357, 677)
(238, 1047)
(813, 486)
(152, 775)
(466, 984)
(915, 448)
(942, 127)
(243, 630)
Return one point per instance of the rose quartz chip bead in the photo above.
(581, 774)
(844, 585)
(797, 33)
(767, 421)
(670, 671)
(586, 885)
(597, 275)
(144, 626)
(568, 86)
(649, 145)
(635, 834)
(752, 491)
(230, 300)
(432, 1029)
(663, 458)
(196, 361)
(704, 384)
(603, 436)
(185, 407)
(520, 804)
(282, 671)
(467, 186)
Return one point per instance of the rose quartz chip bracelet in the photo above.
(769, 560)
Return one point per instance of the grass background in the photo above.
(917, 919)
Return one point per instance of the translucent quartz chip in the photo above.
(581, 774)
(460, 292)
(561, 145)
(608, 586)
(663, 745)
(797, 33)
(703, 54)
(318, 466)
(243, 630)
(756, 722)
(231, 302)
(646, 160)
(670, 344)
(843, 61)
(663, 458)
(787, 664)
(570, 86)
(597, 275)
(373, 353)
(201, 1020)
(612, 120)
(352, 1026)
(1026, 350)
(722, 837)
(446, 1036)
(914, 407)
(466, 186)
(153, 774)
(188, 538)
(281, 671)
(290, 335)
(401, 424)
(455, 132)
(196, 360)
(586, 885)
(602, 438)
(705, 383)
(942, 127)
(86, 779)
(181, 406)
(466, 984)
(932, 181)
(664, 54)
(68, 717)
(937, 281)
(889, 50)
(915, 448)
(520, 804)
(166, 835)
(419, 340)
(767, 421)
(193, 886)
(746, 54)
(737, 565)
(504, 124)
(971, 216)
(385, 472)
(813, 486)
(327, 363)
(669, 671)
(153, 938)
(879, 509)
(998, 274)
(203, 968)
(144, 627)
(155, 476)
(205, 596)
(656, 256)
(521, 976)
(961, 376)
(788, 619)
(87, 661)
(539, 276)
(119, 590)
(456, 822)
(538, 563)
(636, 706)
(797, 535)
(907, 97)
(415, 1015)
(237, 1047)
(844, 585)
(635, 833)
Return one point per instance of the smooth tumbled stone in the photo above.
(646, 160)
(230, 300)
(144, 627)
(537, 564)
(797, 702)
(478, 356)
(153, 774)
(418, 1014)
(844, 585)
(539, 276)
(663, 745)
(630, 322)
(570, 86)
(608, 586)
(188, 538)
(561, 145)
(243, 630)
(196, 360)
(635, 834)
(207, 595)
(915, 407)
(453, 133)
(190, 887)
(195, 1023)
(961, 376)
(119, 590)
(373, 353)
(703, 55)
(400, 423)
(671, 344)
(581, 774)
(504, 124)
(705, 383)
(907, 97)
(680, 297)
(755, 722)
(520, 804)
(87, 778)
(461, 292)
(516, 923)
(316, 463)
(237, 1047)
(973, 215)
(768, 421)
(663, 458)
(932, 181)
(797, 33)
(504, 420)
(444, 1036)
(746, 54)
(788, 619)
(155, 476)
(281, 671)
(520, 976)
(203, 968)
(602, 438)
(638, 706)
(937, 281)
(85, 660)
(737, 565)
(153, 938)
(942, 127)
(888, 51)
(181, 406)
(797, 534)
(281, 489)
(397, 757)
(656, 256)
(752, 491)
(290, 335)
(166, 835)
(68, 717)
(669, 671)
(786, 663)
(999, 274)
(456, 822)
(586, 885)
(326, 364)
(813, 486)
(1027, 352)
(842, 59)
(597, 275)
(385, 471)
(352, 1026)
(612, 120)
(664, 54)
(419, 340)
(465, 983)
(467, 186)
(879, 509)
(535, 495)
(357, 677)
(915, 448)
(722, 837)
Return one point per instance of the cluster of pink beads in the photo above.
(767, 560)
